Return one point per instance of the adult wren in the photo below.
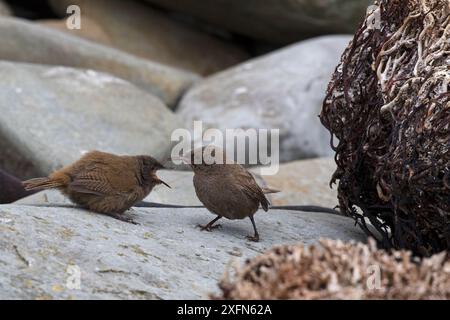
(225, 188)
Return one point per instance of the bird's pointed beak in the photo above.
(157, 180)
(162, 182)
(161, 166)
(183, 159)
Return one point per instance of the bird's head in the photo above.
(149, 166)
(208, 159)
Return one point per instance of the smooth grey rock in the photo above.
(304, 182)
(182, 190)
(283, 90)
(43, 248)
(29, 42)
(137, 28)
(90, 30)
(46, 197)
(51, 115)
(276, 21)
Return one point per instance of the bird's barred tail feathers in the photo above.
(41, 183)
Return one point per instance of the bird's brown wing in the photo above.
(91, 182)
(249, 186)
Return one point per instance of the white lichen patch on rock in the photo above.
(83, 77)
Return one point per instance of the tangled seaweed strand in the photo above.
(388, 104)
(337, 270)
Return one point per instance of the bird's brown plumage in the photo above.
(104, 182)
(228, 190)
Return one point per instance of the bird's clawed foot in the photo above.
(209, 227)
(254, 238)
(123, 218)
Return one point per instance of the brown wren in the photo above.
(104, 182)
(226, 189)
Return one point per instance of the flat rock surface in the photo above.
(30, 42)
(304, 182)
(44, 251)
(51, 115)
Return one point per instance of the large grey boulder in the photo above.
(276, 21)
(304, 182)
(90, 30)
(51, 115)
(67, 253)
(283, 90)
(29, 42)
(137, 28)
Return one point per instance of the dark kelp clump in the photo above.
(337, 270)
(388, 104)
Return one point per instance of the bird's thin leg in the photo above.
(210, 226)
(124, 218)
(255, 237)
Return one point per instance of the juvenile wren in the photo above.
(104, 182)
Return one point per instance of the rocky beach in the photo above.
(123, 76)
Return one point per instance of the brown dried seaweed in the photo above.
(337, 270)
(388, 104)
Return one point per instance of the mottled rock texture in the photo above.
(44, 249)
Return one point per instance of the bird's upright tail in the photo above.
(41, 183)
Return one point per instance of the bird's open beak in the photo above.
(157, 180)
